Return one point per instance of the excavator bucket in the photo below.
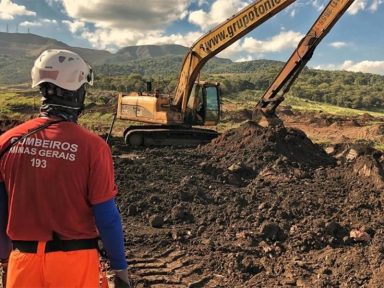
(265, 119)
(264, 112)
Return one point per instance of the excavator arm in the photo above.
(217, 40)
(268, 103)
(171, 118)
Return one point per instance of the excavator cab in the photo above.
(203, 106)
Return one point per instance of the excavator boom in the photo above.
(220, 38)
(170, 118)
(270, 100)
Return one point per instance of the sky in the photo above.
(356, 42)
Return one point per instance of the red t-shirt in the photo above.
(53, 177)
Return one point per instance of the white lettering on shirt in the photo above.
(44, 150)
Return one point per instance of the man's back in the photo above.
(57, 187)
(53, 177)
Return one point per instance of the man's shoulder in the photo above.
(19, 129)
(90, 137)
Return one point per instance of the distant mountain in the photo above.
(19, 50)
(26, 45)
(146, 51)
(30, 46)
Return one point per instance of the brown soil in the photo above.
(257, 207)
(321, 127)
(336, 129)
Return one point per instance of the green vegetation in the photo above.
(18, 104)
(131, 67)
(346, 89)
(337, 93)
(308, 105)
(340, 88)
(14, 70)
(24, 103)
(21, 103)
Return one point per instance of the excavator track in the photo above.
(181, 136)
(172, 268)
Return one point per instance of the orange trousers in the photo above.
(71, 269)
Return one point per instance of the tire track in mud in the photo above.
(172, 268)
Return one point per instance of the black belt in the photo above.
(56, 245)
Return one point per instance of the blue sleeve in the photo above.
(5, 243)
(108, 222)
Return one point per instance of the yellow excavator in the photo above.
(171, 118)
(198, 103)
(264, 112)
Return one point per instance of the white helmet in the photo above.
(62, 68)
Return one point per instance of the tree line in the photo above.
(342, 88)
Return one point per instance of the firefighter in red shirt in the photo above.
(57, 187)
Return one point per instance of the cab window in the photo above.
(212, 108)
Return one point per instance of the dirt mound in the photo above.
(367, 117)
(249, 150)
(242, 115)
(237, 116)
(323, 229)
(256, 207)
(377, 129)
(286, 111)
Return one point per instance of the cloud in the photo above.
(8, 10)
(375, 5)
(201, 2)
(245, 59)
(112, 39)
(362, 5)
(136, 15)
(356, 7)
(220, 9)
(234, 52)
(74, 26)
(31, 24)
(318, 4)
(124, 23)
(180, 39)
(374, 67)
(39, 23)
(49, 21)
(284, 41)
(51, 2)
(338, 44)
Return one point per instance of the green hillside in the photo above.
(131, 67)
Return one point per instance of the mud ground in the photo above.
(256, 207)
